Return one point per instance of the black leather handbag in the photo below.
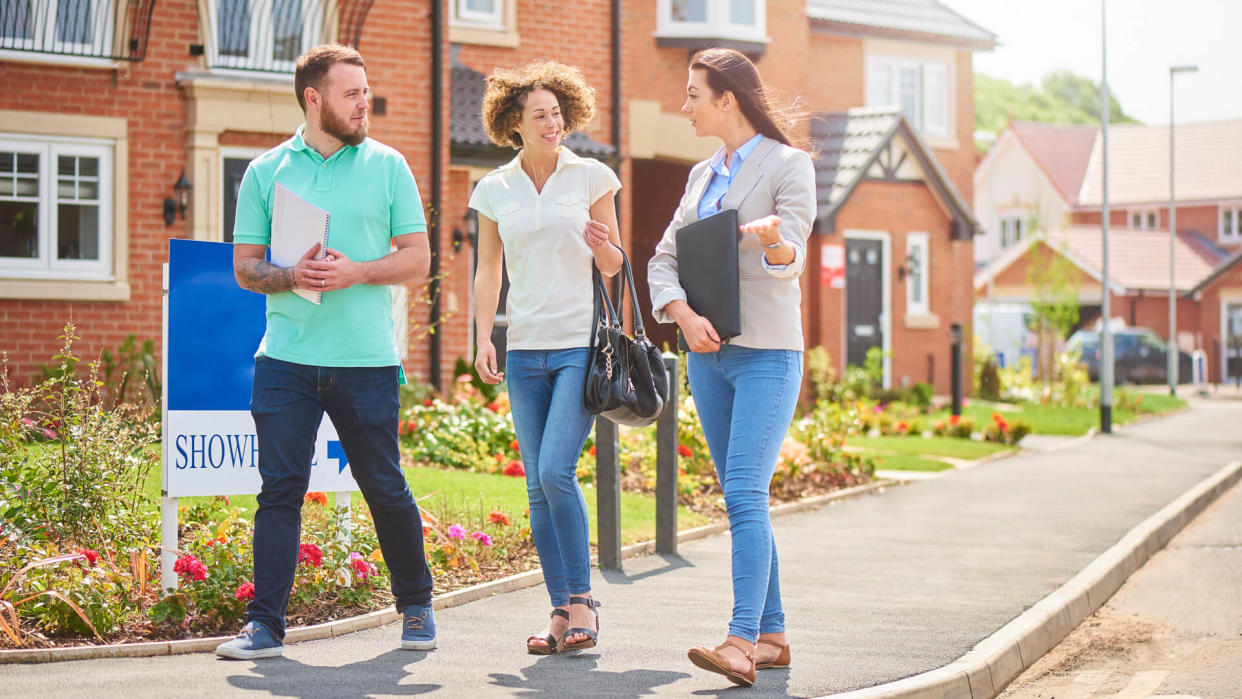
(626, 380)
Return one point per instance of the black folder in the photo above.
(707, 271)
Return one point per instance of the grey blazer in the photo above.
(774, 179)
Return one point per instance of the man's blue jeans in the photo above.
(745, 399)
(545, 392)
(288, 403)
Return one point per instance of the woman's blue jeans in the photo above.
(745, 399)
(545, 392)
(288, 403)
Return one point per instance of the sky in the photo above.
(1144, 37)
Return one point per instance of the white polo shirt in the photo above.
(549, 263)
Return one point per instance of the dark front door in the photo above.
(864, 298)
(234, 168)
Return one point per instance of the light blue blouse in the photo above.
(722, 176)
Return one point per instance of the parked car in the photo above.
(1138, 356)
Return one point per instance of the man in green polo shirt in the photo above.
(338, 356)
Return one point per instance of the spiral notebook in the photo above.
(296, 226)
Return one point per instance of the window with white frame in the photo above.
(262, 35)
(57, 26)
(917, 268)
(920, 88)
(478, 13)
(743, 20)
(1230, 223)
(1012, 230)
(1144, 219)
(55, 208)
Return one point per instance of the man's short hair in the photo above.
(313, 67)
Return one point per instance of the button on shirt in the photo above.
(549, 263)
(370, 194)
(722, 176)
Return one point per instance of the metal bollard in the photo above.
(608, 493)
(666, 465)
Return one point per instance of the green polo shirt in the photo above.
(370, 194)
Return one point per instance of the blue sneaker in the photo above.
(254, 641)
(418, 631)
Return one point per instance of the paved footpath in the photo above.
(876, 588)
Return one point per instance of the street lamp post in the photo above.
(1106, 332)
(1171, 351)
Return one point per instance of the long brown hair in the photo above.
(732, 71)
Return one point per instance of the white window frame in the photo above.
(718, 24)
(1015, 224)
(46, 265)
(930, 118)
(918, 282)
(459, 13)
(1230, 233)
(262, 39)
(43, 26)
(1144, 215)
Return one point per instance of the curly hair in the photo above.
(507, 88)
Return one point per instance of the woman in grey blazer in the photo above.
(745, 388)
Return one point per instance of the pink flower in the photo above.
(877, 409)
(362, 567)
(27, 423)
(310, 553)
(189, 566)
(456, 532)
(49, 433)
(245, 591)
(482, 538)
(91, 556)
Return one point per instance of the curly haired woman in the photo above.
(546, 217)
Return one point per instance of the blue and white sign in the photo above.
(213, 329)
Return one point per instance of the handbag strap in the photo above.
(601, 293)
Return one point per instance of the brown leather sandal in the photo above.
(710, 659)
(782, 659)
(591, 634)
(550, 639)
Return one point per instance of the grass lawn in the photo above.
(932, 446)
(909, 462)
(1065, 420)
(444, 493)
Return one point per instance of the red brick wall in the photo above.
(147, 95)
(898, 209)
(1201, 219)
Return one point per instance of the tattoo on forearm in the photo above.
(263, 276)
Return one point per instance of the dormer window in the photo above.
(696, 24)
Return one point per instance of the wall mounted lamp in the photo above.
(181, 190)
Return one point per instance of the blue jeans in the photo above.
(745, 399)
(288, 403)
(545, 392)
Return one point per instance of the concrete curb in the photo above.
(998, 659)
(387, 616)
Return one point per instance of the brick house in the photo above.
(1219, 300)
(202, 86)
(1046, 180)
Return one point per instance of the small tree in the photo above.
(1054, 302)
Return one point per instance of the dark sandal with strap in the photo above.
(591, 634)
(782, 659)
(711, 660)
(549, 640)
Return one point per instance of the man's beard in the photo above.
(342, 129)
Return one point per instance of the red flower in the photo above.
(91, 556)
(996, 417)
(591, 451)
(310, 553)
(189, 566)
(405, 427)
(903, 427)
(498, 517)
(245, 591)
(685, 451)
(494, 407)
(319, 498)
(514, 469)
(954, 419)
(427, 403)
(1003, 424)
(514, 446)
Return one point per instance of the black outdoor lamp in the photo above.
(182, 201)
(910, 267)
(471, 221)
